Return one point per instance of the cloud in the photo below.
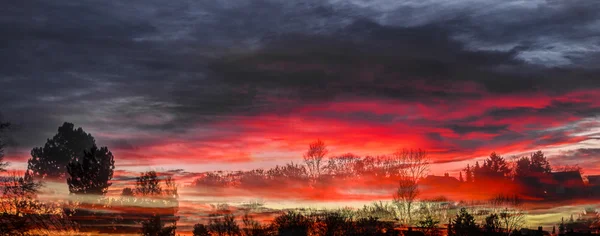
(587, 158)
(217, 81)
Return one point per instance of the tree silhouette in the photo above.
(464, 224)
(371, 226)
(223, 225)
(148, 184)
(477, 172)
(334, 224)
(469, 174)
(155, 227)
(495, 167)
(539, 163)
(429, 226)
(92, 173)
(291, 223)
(522, 168)
(534, 165)
(415, 164)
(405, 196)
(200, 230)
(511, 219)
(3, 164)
(492, 224)
(127, 192)
(21, 211)
(51, 160)
(313, 158)
(253, 227)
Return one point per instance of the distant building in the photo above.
(434, 180)
(594, 184)
(564, 184)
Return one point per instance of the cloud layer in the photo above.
(250, 81)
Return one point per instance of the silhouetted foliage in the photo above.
(127, 192)
(495, 167)
(334, 224)
(405, 195)
(313, 159)
(343, 166)
(539, 163)
(414, 166)
(91, 174)
(3, 164)
(155, 227)
(504, 200)
(51, 160)
(464, 224)
(492, 224)
(21, 213)
(223, 225)
(291, 223)
(148, 184)
(511, 219)
(469, 174)
(429, 226)
(371, 226)
(253, 227)
(380, 210)
(200, 230)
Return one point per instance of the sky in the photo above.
(228, 85)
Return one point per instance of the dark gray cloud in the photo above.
(584, 157)
(158, 69)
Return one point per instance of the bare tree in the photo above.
(414, 166)
(313, 158)
(21, 213)
(415, 163)
(511, 219)
(405, 196)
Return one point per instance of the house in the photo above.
(594, 180)
(433, 185)
(564, 184)
(594, 185)
(434, 180)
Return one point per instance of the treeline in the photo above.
(316, 169)
(345, 223)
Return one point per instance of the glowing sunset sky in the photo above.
(210, 85)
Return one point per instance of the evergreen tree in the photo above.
(495, 167)
(469, 174)
(51, 160)
(92, 173)
(464, 224)
(539, 163)
(477, 175)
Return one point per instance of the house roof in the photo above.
(567, 177)
(439, 180)
(594, 179)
